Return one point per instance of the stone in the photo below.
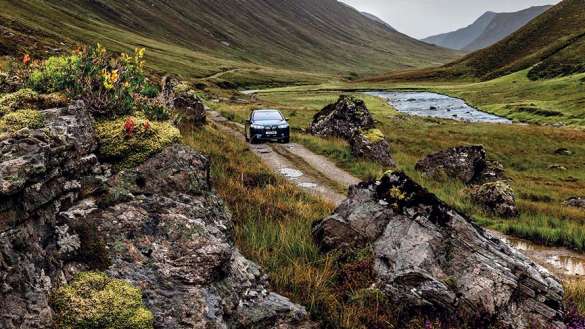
(468, 164)
(372, 145)
(497, 198)
(342, 119)
(563, 151)
(577, 202)
(557, 167)
(159, 226)
(431, 259)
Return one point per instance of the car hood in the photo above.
(270, 122)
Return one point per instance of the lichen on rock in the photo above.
(17, 100)
(497, 198)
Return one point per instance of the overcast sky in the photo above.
(422, 18)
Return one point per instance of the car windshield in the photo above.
(267, 116)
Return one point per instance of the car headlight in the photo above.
(256, 127)
(284, 126)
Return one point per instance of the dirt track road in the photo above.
(312, 172)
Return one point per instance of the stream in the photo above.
(428, 104)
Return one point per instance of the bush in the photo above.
(155, 109)
(109, 84)
(131, 140)
(93, 300)
(55, 74)
(150, 90)
(29, 118)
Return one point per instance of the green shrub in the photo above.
(129, 141)
(108, 84)
(150, 90)
(55, 74)
(20, 119)
(17, 100)
(155, 109)
(94, 300)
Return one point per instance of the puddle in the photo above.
(437, 106)
(291, 173)
(308, 185)
(561, 261)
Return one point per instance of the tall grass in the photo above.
(273, 220)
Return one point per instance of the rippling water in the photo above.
(436, 105)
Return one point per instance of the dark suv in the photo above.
(267, 125)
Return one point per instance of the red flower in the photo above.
(26, 59)
(129, 126)
(146, 125)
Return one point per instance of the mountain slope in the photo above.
(551, 45)
(303, 35)
(378, 19)
(463, 37)
(487, 30)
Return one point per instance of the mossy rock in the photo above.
(17, 100)
(94, 300)
(21, 119)
(127, 148)
(374, 135)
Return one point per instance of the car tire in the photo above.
(253, 140)
(285, 140)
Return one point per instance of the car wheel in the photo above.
(253, 140)
(285, 140)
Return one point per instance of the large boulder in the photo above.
(342, 119)
(431, 259)
(468, 164)
(159, 226)
(497, 198)
(372, 145)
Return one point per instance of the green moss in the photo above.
(14, 101)
(94, 300)
(374, 135)
(129, 149)
(28, 118)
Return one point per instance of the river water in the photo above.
(428, 104)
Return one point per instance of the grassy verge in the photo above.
(273, 220)
(527, 152)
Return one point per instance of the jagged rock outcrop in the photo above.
(372, 145)
(497, 198)
(184, 98)
(468, 164)
(350, 119)
(159, 226)
(342, 119)
(432, 259)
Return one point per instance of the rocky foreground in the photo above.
(159, 226)
(431, 259)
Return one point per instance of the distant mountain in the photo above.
(303, 35)
(487, 30)
(378, 19)
(551, 45)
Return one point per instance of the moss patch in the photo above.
(28, 118)
(374, 135)
(131, 140)
(94, 300)
(17, 100)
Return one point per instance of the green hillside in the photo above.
(552, 44)
(201, 37)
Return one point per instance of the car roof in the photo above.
(266, 110)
